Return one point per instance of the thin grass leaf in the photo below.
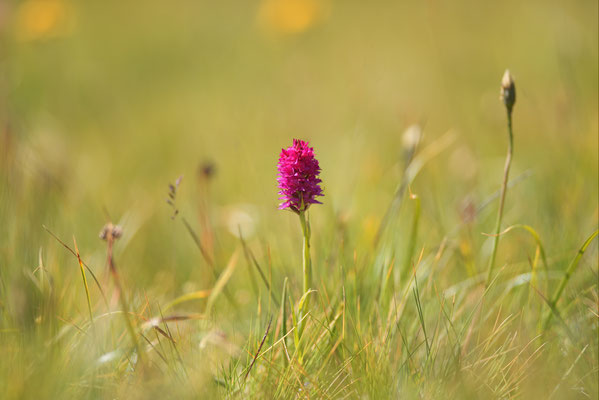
(89, 302)
(222, 281)
(569, 271)
(197, 295)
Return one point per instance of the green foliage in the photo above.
(102, 105)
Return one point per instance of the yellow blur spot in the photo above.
(465, 248)
(38, 19)
(370, 226)
(290, 16)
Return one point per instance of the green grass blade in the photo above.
(566, 278)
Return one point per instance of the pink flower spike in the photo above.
(298, 177)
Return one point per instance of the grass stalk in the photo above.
(110, 234)
(509, 98)
(413, 236)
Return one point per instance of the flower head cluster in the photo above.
(298, 177)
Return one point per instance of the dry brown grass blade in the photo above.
(259, 348)
(154, 322)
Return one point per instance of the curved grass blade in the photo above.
(537, 239)
(200, 294)
(566, 278)
(89, 302)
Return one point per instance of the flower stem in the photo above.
(307, 269)
(506, 172)
(306, 262)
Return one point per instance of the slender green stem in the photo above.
(407, 267)
(284, 317)
(388, 283)
(307, 269)
(506, 172)
(306, 262)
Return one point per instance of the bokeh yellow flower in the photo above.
(290, 16)
(40, 19)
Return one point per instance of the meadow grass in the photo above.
(194, 288)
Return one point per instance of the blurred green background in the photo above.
(102, 104)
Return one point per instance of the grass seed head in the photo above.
(111, 232)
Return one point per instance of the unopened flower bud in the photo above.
(508, 90)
